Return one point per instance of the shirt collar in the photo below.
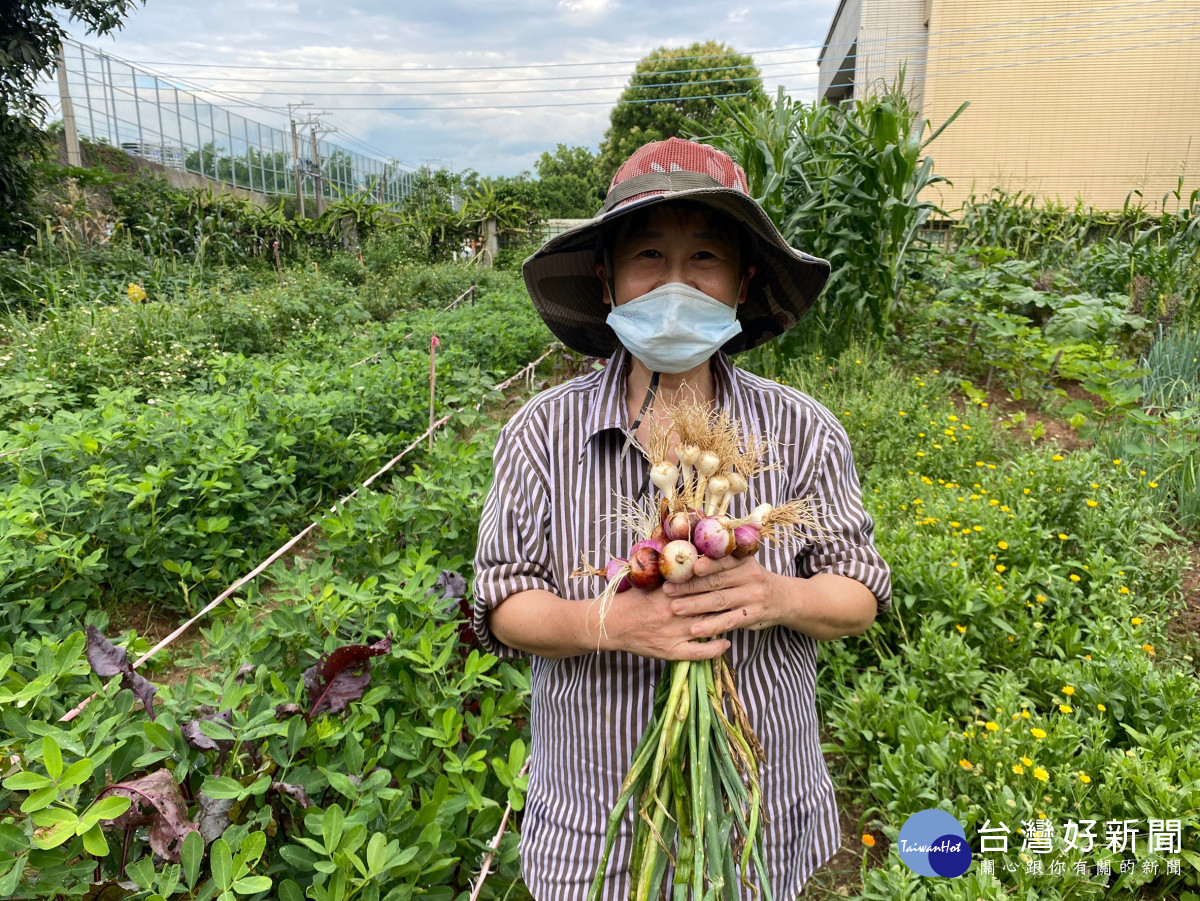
(609, 412)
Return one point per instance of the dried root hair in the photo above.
(641, 517)
(797, 520)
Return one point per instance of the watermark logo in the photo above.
(933, 843)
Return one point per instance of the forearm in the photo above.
(826, 606)
(542, 623)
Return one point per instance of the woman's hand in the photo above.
(729, 593)
(643, 623)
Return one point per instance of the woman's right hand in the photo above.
(643, 623)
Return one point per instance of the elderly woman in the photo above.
(679, 269)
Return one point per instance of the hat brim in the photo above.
(561, 277)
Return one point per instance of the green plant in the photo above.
(843, 183)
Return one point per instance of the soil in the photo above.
(1053, 429)
(841, 877)
(1184, 626)
(151, 621)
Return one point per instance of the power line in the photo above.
(916, 77)
(621, 75)
(823, 46)
(886, 49)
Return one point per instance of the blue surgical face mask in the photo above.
(674, 328)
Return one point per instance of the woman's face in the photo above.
(676, 245)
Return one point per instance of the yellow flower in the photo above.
(1025, 714)
(965, 764)
(901, 413)
(1026, 761)
(1039, 773)
(1124, 589)
(991, 727)
(920, 453)
(1041, 598)
(1095, 484)
(1037, 733)
(977, 528)
(1149, 649)
(1056, 458)
(1074, 578)
(1068, 690)
(1153, 484)
(1064, 708)
(954, 563)
(1063, 536)
(1092, 503)
(952, 418)
(1018, 769)
(1117, 462)
(1137, 621)
(961, 628)
(1085, 778)
(1101, 708)
(1012, 638)
(1003, 545)
(868, 840)
(1027, 491)
(1000, 567)
(136, 292)
(955, 524)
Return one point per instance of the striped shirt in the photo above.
(559, 467)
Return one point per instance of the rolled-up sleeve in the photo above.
(847, 545)
(513, 553)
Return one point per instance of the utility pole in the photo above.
(296, 158)
(74, 158)
(314, 132)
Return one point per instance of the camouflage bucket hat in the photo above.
(561, 276)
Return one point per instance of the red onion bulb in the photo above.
(614, 569)
(713, 537)
(746, 537)
(644, 570)
(678, 527)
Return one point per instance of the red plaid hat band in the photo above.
(656, 182)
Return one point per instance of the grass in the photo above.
(1026, 670)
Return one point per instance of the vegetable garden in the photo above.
(1021, 390)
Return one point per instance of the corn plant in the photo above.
(844, 183)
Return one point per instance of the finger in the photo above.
(702, 650)
(739, 618)
(705, 604)
(706, 566)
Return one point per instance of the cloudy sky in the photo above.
(384, 70)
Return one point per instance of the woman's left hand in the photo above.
(729, 593)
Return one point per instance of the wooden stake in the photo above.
(433, 345)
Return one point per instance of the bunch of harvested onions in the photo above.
(695, 773)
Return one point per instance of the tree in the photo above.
(690, 76)
(569, 183)
(29, 37)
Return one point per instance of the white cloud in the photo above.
(416, 43)
(590, 7)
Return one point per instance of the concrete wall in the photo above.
(1089, 106)
(184, 180)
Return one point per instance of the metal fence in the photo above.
(154, 117)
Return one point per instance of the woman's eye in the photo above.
(649, 252)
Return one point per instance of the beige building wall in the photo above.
(1089, 106)
(893, 34)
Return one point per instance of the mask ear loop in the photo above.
(651, 392)
(608, 277)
